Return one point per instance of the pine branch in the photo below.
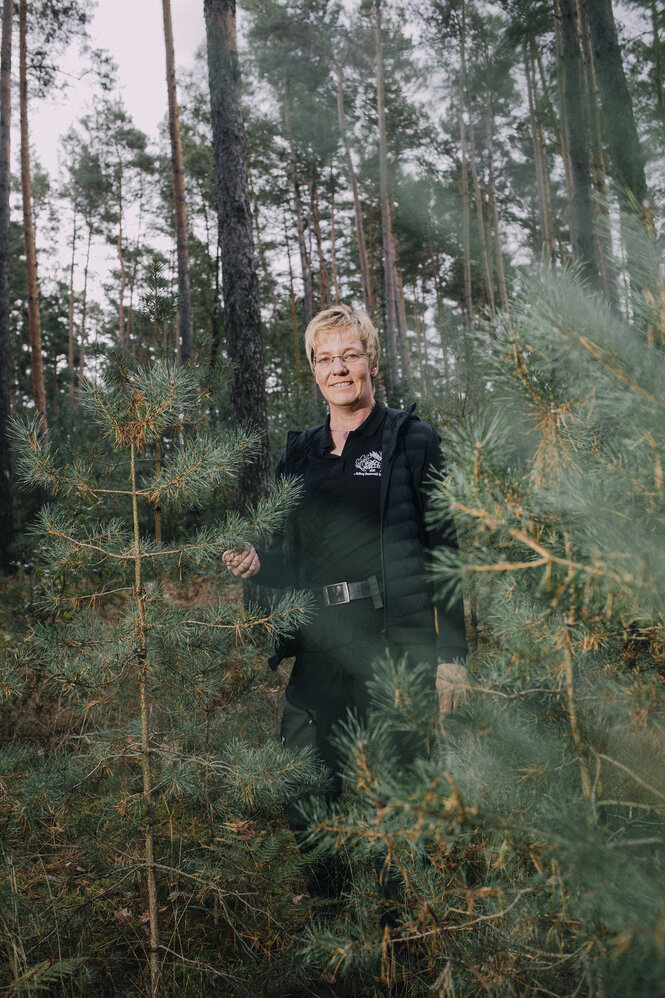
(285, 617)
(198, 467)
(139, 407)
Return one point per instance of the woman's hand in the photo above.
(242, 561)
(451, 685)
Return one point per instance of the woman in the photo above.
(360, 541)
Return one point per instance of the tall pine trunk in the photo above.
(441, 312)
(620, 129)
(266, 275)
(6, 505)
(242, 318)
(179, 204)
(492, 202)
(658, 64)
(84, 306)
(70, 310)
(561, 131)
(333, 239)
(493, 206)
(294, 307)
(305, 264)
(32, 283)
(581, 215)
(404, 354)
(601, 208)
(389, 263)
(488, 277)
(365, 272)
(464, 177)
(555, 119)
(123, 332)
(324, 277)
(540, 160)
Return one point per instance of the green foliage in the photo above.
(144, 806)
(528, 848)
(554, 435)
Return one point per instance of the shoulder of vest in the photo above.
(299, 441)
(419, 430)
(416, 433)
(400, 415)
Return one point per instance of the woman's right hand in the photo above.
(242, 561)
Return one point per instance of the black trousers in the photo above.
(335, 657)
(335, 661)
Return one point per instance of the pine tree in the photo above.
(150, 792)
(179, 204)
(530, 843)
(242, 315)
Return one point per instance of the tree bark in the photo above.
(146, 774)
(389, 289)
(540, 160)
(494, 210)
(365, 273)
(84, 307)
(333, 240)
(242, 318)
(179, 203)
(216, 318)
(34, 321)
(581, 215)
(601, 209)
(436, 276)
(294, 309)
(306, 267)
(324, 277)
(404, 354)
(133, 273)
(561, 132)
(70, 316)
(658, 64)
(619, 121)
(267, 277)
(556, 120)
(6, 505)
(464, 177)
(482, 229)
(122, 321)
(419, 323)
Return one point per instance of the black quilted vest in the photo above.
(408, 610)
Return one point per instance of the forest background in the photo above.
(486, 180)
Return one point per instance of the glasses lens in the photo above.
(349, 357)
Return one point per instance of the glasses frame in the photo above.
(339, 356)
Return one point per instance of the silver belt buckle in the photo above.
(337, 593)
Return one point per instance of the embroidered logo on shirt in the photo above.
(369, 464)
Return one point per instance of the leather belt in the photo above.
(345, 592)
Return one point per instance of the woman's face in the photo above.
(345, 385)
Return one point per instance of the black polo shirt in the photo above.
(340, 516)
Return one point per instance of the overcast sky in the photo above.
(133, 32)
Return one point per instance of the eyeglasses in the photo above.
(347, 358)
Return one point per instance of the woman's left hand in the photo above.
(452, 682)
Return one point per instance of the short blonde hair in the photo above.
(340, 317)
